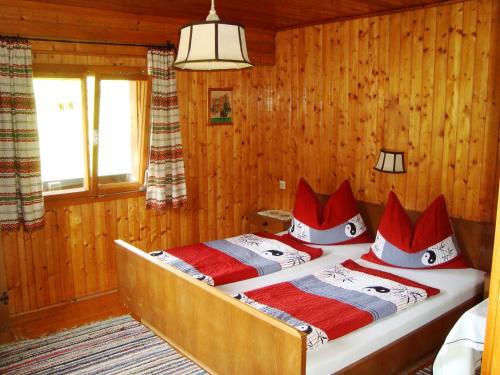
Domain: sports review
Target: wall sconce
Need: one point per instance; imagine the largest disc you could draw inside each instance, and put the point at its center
(390, 162)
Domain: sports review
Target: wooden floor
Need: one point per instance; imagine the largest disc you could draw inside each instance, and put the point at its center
(65, 316)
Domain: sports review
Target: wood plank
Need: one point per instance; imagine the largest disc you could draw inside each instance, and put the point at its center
(402, 121)
(392, 111)
(416, 96)
(54, 260)
(26, 246)
(426, 125)
(354, 138)
(489, 187)
(111, 234)
(371, 148)
(77, 251)
(439, 104)
(4, 308)
(382, 96)
(364, 112)
(11, 266)
(63, 239)
(452, 96)
(101, 250)
(479, 108)
(464, 105)
(89, 249)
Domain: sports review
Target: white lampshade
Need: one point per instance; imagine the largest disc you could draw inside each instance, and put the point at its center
(212, 45)
(390, 162)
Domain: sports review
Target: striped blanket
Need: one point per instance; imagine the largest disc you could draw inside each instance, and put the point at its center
(238, 258)
(337, 300)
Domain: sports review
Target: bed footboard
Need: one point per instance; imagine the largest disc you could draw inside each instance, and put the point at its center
(221, 334)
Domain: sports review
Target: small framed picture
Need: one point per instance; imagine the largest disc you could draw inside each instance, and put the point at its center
(220, 106)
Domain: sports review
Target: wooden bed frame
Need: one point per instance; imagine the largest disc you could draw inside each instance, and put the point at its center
(225, 336)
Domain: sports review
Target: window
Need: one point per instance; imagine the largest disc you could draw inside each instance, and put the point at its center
(60, 112)
(93, 133)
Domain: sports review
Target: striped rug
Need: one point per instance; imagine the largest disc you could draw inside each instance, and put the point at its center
(425, 371)
(115, 346)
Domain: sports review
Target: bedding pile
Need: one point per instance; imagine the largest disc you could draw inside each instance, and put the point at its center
(237, 258)
(337, 300)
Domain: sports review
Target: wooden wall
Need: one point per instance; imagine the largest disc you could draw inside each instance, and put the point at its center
(421, 81)
(32, 19)
(73, 257)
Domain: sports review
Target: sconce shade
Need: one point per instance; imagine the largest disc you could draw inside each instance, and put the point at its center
(212, 45)
(390, 162)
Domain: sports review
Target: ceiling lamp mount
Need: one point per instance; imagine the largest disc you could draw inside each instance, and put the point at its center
(212, 45)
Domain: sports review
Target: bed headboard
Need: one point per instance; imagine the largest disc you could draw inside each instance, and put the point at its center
(475, 238)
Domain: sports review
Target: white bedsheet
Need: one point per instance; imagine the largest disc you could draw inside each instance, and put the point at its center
(456, 286)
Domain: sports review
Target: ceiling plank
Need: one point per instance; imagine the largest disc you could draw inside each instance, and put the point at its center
(264, 14)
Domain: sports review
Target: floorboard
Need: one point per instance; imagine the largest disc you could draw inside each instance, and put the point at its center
(70, 315)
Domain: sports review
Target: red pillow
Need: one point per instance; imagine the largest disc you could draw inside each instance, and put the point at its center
(338, 222)
(430, 244)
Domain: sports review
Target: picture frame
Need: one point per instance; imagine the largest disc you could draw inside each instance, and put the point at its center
(220, 106)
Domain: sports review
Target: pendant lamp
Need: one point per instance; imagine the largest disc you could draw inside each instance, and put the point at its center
(212, 45)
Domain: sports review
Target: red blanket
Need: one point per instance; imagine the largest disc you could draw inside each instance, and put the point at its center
(238, 258)
(337, 300)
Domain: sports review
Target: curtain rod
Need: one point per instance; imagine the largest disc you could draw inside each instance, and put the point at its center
(169, 45)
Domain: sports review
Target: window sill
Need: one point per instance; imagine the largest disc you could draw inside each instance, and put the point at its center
(83, 197)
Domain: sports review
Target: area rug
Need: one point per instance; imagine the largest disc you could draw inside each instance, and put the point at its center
(115, 346)
(425, 371)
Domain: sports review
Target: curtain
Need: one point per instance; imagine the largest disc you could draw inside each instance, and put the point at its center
(166, 184)
(21, 200)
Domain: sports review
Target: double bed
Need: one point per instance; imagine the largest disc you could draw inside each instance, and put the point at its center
(225, 336)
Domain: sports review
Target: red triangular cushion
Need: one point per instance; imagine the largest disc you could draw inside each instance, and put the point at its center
(432, 229)
(307, 206)
(340, 206)
(316, 224)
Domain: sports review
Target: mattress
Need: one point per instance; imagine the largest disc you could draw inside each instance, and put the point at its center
(456, 287)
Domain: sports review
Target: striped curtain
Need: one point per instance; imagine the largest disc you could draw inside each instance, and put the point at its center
(166, 184)
(21, 199)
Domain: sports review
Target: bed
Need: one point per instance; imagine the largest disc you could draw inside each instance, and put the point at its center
(225, 336)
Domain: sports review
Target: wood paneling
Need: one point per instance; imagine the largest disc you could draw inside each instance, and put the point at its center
(337, 94)
(33, 19)
(73, 257)
(265, 14)
(417, 81)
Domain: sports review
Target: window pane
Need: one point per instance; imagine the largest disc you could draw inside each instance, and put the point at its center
(118, 130)
(60, 127)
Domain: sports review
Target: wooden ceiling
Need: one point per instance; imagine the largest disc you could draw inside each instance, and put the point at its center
(263, 14)
(154, 22)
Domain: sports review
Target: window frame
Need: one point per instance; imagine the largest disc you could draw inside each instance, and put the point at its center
(92, 190)
(118, 187)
